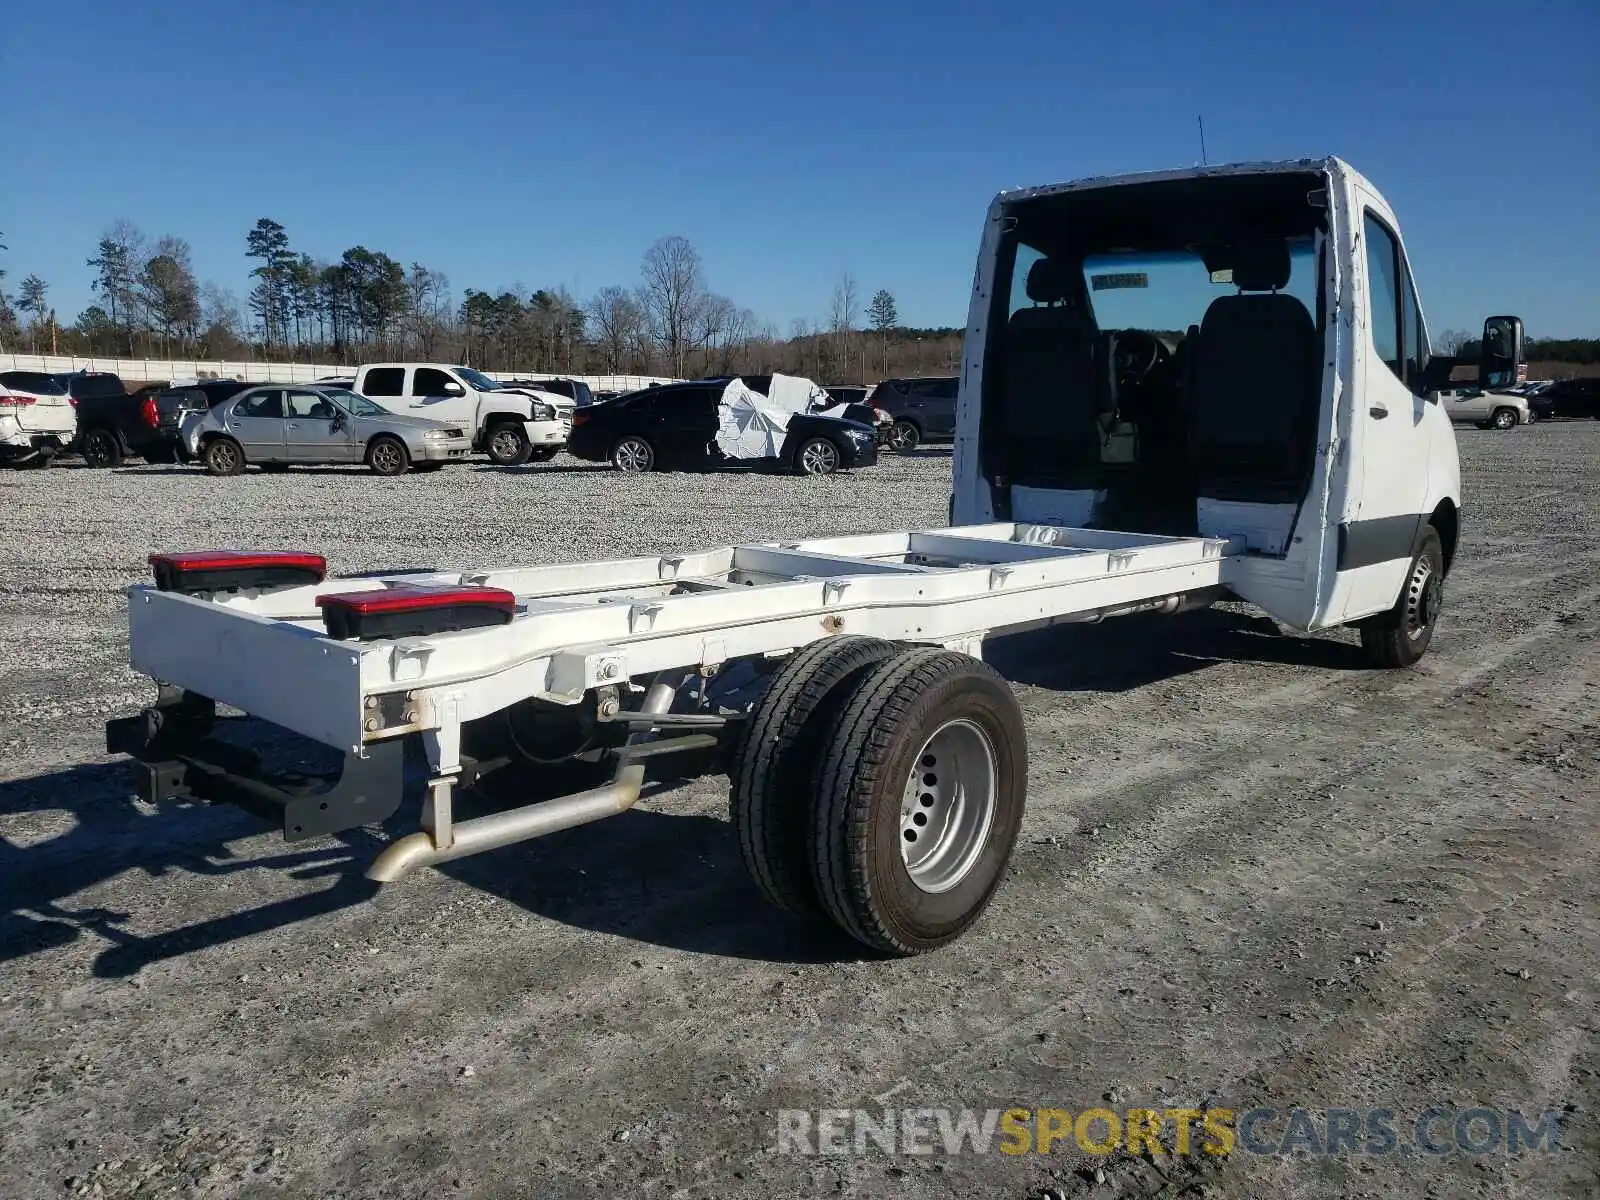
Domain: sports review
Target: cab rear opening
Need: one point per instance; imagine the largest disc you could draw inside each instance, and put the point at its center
(1154, 358)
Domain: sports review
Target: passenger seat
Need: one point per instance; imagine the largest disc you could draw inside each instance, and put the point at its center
(1049, 368)
(1254, 394)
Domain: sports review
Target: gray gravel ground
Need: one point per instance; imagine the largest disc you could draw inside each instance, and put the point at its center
(1251, 873)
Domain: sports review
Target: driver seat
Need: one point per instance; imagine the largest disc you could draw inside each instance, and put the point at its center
(1049, 383)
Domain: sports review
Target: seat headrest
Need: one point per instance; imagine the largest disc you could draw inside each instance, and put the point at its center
(1261, 266)
(1049, 281)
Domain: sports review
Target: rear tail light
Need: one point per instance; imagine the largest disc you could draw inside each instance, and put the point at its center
(233, 570)
(9, 401)
(150, 413)
(414, 610)
(579, 418)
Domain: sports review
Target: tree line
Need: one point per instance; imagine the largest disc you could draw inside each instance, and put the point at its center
(367, 304)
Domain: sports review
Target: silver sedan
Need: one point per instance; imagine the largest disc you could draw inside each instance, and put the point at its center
(276, 425)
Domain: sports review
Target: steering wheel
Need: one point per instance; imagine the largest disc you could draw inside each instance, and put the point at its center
(1135, 354)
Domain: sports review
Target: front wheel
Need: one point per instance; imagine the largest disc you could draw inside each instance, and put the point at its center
(1504, 418)
(904, 437)
(816, 456)
(1400, 637)
(509, 445)
(633, 453)
(388, 456)
(920, 787)
(101, 449)
(224, 456)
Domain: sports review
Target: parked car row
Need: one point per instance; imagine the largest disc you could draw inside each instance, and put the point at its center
(397, 416)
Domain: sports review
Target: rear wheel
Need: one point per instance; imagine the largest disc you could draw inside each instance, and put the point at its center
(1400, 637)
(508, 444)
(1504, 418)
(770, 783)
(224, 456)
(921, 783)
(388, 456)
(633, 453)
(101, 449)
(905, 436)
(816, 456)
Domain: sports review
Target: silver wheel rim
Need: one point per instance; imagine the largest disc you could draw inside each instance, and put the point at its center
(224, 456)
(505, 443)
(1424, 594)
(1503, 420)
(386, 456)
(632, 455)
(948, 806)
(819, 457)
(902, 437)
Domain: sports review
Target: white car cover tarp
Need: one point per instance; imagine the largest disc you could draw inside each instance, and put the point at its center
(752, 425)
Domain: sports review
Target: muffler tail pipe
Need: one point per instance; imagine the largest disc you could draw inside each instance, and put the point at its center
(406, 854)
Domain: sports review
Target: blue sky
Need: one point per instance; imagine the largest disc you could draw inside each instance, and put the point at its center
(506, 142)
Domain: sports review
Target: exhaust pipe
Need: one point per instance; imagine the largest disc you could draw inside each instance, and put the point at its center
(1179, 602)
(419, 849)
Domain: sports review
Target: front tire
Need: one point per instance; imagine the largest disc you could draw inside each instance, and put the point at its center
(1401, 636)
(508, 444)
(388, 456)
(223, 456)
(769, 785)
(633, 453)
(1504, 418)
(816, 456)
(101, 449)
(905, 436)
(921, 784)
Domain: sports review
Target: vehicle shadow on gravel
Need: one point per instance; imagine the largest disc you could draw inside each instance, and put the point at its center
(110, 834)
(1130, 652)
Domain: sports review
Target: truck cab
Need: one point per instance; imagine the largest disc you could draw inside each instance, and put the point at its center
(511, 426)
(1236, 352)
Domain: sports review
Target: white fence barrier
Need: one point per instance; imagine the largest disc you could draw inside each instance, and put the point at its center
(150, 370)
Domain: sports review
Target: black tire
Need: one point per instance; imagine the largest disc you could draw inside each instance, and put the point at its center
(1401, 636)
(860, 819)
(101, 449)
(633, 453)
(507, 444)
(770, 778)
(388, 456)
(1503, 418)
(817, 456)
(223, 456)
(905, 436)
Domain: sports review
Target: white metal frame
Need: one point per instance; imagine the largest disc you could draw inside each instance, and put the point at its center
(589, 625)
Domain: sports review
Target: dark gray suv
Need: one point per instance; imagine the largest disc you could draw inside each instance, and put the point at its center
(923, 408)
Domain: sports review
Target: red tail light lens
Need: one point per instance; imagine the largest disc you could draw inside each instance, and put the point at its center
(232, 570)
(414, 610)
(579, 417)
(151, 414)
(9, 401)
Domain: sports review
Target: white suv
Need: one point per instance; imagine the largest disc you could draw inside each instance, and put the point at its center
(37, 419)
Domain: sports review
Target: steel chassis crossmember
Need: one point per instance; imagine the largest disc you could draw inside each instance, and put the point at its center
(632, 629)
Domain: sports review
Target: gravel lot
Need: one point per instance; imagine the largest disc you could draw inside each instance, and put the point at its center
(1251, 873)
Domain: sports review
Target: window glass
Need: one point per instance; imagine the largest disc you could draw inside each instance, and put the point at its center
(385, 381)
(1383, 293)
(36, 382)
(1416, 338)
(1167, 291)
(261, 404)
(429, 381)
(312, 405)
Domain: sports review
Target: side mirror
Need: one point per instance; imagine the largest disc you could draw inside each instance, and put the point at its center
(452, 388)
(1500, 354)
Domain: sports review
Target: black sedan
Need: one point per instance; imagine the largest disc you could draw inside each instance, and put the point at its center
(1567, 399)
(706, 426)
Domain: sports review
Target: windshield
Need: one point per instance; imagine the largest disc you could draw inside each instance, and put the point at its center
(479, 381)
(355, 404)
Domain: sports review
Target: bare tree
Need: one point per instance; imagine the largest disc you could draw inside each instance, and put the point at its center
(1449, 342)
(843, 316)
(617, 324)
(673, 288)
